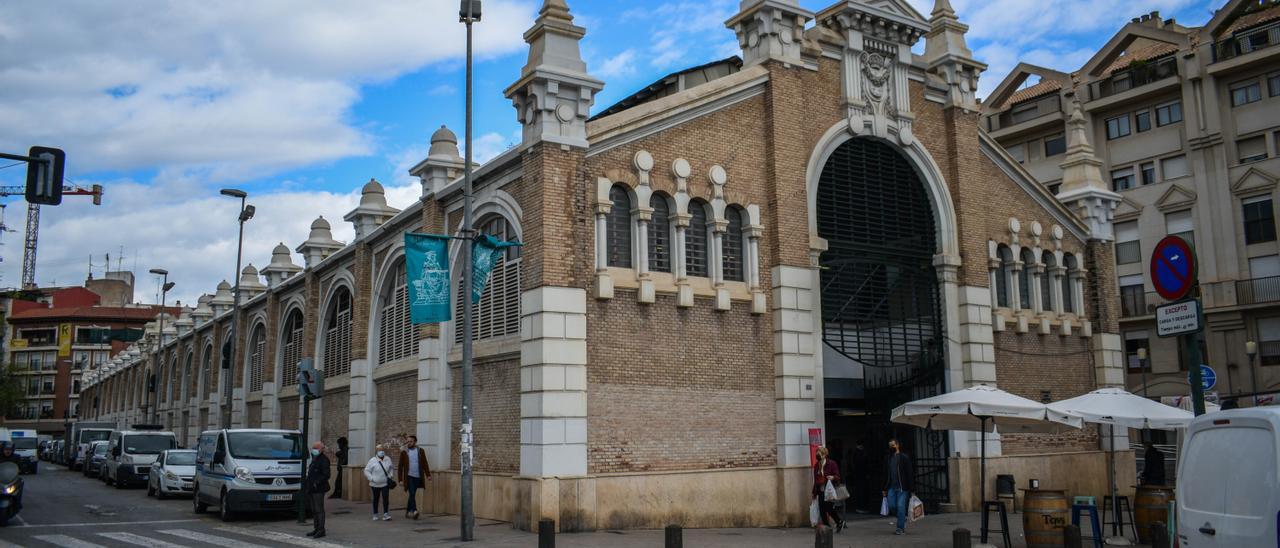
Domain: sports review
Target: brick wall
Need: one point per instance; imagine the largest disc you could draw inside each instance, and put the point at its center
(396, 406)
(496, 421)
(253, 415)
(289, 413)
(333, 417)
(1027, 364)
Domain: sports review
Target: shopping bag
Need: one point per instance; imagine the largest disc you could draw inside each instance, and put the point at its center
(917, 508)
(842, 493)
(884, 506)
(815, 515)
(829, 493)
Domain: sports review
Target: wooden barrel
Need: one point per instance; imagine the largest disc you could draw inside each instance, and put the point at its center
(1045, 513)
(1151, 506)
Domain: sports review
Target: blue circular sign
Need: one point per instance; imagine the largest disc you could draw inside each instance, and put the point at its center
(1208, 377)
(1173, 268)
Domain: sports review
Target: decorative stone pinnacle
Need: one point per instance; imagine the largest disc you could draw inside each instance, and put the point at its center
(555, 9)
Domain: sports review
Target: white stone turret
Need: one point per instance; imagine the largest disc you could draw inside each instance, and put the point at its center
(203, 312)
(223, 300)
(1083, 188)
(185, 322)
(443, 164)
(250, 283)
(319, 244)
(281, 267)
(554, 94)
(949, 56)
(770, 29)
(372, 211)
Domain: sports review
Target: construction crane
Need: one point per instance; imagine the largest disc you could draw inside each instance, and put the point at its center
(33, 225)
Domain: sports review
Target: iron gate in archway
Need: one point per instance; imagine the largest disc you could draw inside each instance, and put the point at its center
(881, 308)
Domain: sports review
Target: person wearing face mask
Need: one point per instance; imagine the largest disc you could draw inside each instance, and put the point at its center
(411, 470)
(317, 486)
(380, 471)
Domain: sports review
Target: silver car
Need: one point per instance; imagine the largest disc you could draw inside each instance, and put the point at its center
(97, 456)
(172, 473)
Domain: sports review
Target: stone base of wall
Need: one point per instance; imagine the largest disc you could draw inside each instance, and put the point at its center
(1079, 473)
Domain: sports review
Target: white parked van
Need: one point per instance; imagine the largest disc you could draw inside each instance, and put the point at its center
(248, 470)
(130, 454)
(1228, 495)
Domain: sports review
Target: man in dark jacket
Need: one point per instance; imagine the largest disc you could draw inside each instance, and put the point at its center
(412, 470)
(341, 455)
(317, 486)
(1153, 466)
(898, 484)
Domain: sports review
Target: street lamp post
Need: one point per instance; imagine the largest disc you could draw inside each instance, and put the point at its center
(1251, 348)
(246, 213)
(468, 15)
(155, 357)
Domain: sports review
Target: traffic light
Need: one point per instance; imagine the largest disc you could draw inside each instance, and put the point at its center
(310, 379)
(44, 178)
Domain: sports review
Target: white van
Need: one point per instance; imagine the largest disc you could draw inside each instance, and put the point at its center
(130, 454)
(1228, 495)
(242, 470)
(25, 445)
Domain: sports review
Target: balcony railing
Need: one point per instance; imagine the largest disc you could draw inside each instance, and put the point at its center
(1247, 42)
(1258, 290)
(1140, 73)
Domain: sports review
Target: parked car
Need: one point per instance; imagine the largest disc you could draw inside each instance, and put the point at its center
(130, 454)
(172, 474)
(1228, 461)
(97, 456)
(57, 452)
(248, 470)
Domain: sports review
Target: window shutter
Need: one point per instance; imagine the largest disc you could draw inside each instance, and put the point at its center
(695, 241)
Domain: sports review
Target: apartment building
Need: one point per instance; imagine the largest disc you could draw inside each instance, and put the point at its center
(1187, 123)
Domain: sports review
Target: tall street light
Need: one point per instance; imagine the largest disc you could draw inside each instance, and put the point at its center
(468, 15)
(155, 357)
(1251, 348)
(229, 351)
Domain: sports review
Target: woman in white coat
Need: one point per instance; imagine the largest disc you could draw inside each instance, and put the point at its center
(379, 472)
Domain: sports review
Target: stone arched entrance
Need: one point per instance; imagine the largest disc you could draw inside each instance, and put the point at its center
(882, 311)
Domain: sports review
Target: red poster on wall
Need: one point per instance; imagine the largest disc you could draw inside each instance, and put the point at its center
(815, 441)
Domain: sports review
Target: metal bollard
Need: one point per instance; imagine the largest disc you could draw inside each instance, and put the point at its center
(1071, 536)
(675, 536)
(546, 533)
(824, 538)
(1159, 535)
(960, 538)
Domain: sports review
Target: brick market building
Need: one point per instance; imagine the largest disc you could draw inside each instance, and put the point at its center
(802, 237)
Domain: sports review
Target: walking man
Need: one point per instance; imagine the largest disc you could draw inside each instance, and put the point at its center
(413, 469)
(341, 455)
(317, 486)
(898, 484)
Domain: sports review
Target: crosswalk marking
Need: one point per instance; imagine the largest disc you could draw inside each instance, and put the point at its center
(66, 542)
(211, 539)
(279, 537)
(139, 540)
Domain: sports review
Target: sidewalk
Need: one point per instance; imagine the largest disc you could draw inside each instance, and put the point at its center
(349, 524)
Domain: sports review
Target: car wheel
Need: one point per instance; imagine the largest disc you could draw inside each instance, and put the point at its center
(198, 506)
(224, 508)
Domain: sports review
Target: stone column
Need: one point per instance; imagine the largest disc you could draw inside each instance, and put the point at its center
(753, 232)
(270, 406)
(604, 282)
(553, 382)
(360, 421)
(433, 429)
(719, 227)
(794, 362)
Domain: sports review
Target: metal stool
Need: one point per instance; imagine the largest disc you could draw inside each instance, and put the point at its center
(1092, 509)
(1109, 517)
(1004, 522)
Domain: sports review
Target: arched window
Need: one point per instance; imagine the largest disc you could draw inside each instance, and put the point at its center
(498, 312)
(1003, 276)
(619, 223)
(695, 240)
(732, 245)
(337, 334)
(1024, 279)
(257, 353)
(397, 336)
(206, 373)
(171, 382)
(291, 346)
(1046, 280)
(660, 234)
(187, 376)
(1068, 286)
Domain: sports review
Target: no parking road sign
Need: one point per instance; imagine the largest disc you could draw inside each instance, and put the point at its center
(1173, 268)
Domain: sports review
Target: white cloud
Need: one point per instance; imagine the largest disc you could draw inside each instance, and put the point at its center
(621, 65)
(232, 88)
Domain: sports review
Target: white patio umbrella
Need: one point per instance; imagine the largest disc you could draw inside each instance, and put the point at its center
(984, 408)
(1115, 407)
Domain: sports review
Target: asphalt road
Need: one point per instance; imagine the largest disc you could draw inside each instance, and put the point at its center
(64, 508)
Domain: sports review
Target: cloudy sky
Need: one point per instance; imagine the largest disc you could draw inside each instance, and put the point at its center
(300, 103)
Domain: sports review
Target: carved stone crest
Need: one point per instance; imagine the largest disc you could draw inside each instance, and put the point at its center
(876, 71)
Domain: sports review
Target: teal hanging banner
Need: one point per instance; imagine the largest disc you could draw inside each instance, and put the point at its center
(485, 254)
(427, 265)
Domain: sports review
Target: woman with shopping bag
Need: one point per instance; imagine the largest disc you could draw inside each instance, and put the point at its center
(826, 476)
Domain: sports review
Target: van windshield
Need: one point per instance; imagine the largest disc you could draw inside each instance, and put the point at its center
(265, 445)
(148, 444)
(94, 435)
(24, 443)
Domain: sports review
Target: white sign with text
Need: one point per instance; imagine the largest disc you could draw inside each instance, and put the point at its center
(1178, 318)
